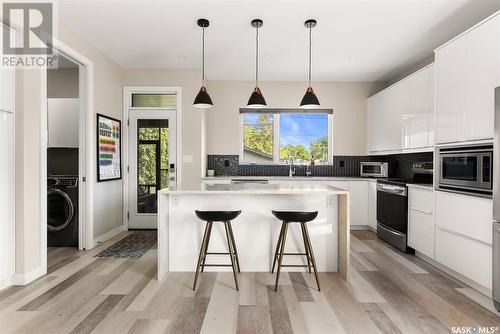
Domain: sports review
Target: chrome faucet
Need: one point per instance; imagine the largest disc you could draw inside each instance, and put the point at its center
(308, 170)
(291, 171)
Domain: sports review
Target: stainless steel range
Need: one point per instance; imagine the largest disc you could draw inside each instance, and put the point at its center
(392, 205)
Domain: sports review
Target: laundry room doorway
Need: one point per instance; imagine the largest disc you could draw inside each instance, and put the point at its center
(67, 157)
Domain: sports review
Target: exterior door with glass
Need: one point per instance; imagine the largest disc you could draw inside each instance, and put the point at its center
(152, 163)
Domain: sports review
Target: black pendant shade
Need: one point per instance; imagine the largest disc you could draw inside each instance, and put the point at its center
(203, 100)
(310, 100)
(256, 100)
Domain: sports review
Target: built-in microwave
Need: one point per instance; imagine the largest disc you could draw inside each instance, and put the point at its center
(466, 169)
(374, 169)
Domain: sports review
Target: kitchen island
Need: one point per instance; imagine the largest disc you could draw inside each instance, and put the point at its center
(256, 230)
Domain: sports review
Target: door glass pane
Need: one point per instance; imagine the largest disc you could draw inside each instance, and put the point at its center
(460, 168)
(154, 101)
(152, 162)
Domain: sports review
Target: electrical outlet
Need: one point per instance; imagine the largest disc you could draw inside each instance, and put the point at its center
(175, 201)
(330, 201)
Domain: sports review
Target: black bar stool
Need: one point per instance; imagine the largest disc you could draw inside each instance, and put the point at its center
(294, 217)
(224, 217)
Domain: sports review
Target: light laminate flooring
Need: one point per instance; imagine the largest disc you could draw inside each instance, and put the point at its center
(389, 292)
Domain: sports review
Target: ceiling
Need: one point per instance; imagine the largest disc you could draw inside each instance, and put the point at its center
(354, 41)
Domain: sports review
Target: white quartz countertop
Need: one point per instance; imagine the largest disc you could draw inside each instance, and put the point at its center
(258, 189)
(294, 178)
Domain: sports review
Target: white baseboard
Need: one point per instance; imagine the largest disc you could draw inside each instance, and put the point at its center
(108, 235)
(454, 274)
(361, 227)
(5, 283)
(23, 279)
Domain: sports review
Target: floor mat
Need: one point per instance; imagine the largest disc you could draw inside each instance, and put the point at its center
(133, 245)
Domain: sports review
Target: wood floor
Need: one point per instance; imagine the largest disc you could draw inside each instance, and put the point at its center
(389, 292)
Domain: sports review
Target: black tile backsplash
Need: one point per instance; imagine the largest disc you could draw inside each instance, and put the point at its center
(342, 165)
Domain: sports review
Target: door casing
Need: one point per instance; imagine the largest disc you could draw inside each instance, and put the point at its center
(127, 106)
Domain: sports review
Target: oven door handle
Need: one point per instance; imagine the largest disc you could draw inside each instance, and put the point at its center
(392, 190)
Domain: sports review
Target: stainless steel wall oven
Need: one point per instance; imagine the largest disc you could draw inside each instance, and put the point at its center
(466, 169)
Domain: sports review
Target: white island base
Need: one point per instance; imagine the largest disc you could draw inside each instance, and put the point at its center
(256, 230)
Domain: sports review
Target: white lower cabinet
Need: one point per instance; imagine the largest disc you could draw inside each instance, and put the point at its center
(372, 204)
(421, 220)
(466, 256)
(463, 235)
(359, 202)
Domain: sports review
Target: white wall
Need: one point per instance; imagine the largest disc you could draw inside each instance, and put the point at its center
(348, 100)
(27, 183)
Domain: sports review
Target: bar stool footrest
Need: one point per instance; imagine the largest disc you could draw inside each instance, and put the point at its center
(215, 265)
(297, 265)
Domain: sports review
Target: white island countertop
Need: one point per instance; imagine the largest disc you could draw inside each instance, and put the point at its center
(257, 189)
(256, 230)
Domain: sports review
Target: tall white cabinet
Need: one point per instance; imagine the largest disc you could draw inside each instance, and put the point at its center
(401, 117)
(467, 71)
(7, 227)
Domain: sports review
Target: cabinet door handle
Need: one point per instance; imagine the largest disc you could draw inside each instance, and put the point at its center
(419, 210)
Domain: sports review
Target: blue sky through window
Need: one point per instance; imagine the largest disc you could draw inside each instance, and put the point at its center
(302, 129)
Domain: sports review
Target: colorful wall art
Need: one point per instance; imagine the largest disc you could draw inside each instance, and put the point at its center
(109, 166)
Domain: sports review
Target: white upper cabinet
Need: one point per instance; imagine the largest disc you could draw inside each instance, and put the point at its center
(397, 116)
(467, 71)
(401, 117)
(6, 83)
(421, 117)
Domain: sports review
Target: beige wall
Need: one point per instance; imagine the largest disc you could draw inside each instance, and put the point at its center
(107, 196)
(62, 83)
(348, 100)
(192, 120)
(108, 101)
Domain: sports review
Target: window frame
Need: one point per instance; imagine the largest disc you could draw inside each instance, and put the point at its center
(276, 139)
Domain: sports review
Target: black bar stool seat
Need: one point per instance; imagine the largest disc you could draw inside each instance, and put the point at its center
(301, 217)
(295, 216)
(224, 217)
(217, 216)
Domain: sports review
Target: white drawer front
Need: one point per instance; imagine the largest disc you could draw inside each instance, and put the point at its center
(466, 215)
(421, 232)
(422, 199)
(468, 257)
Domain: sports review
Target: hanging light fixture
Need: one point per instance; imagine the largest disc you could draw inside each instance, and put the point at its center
(310, 100)
(203, 100)
(256, 100)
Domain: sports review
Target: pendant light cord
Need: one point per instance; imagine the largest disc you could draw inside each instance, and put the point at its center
(203, 58)
(310, 52)
(257, 57)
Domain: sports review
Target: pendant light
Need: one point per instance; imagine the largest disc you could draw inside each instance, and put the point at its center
(203, 100)
(310, 100)
(256, 99)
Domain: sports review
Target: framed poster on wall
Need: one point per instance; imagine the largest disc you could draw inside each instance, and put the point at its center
(109, 159)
